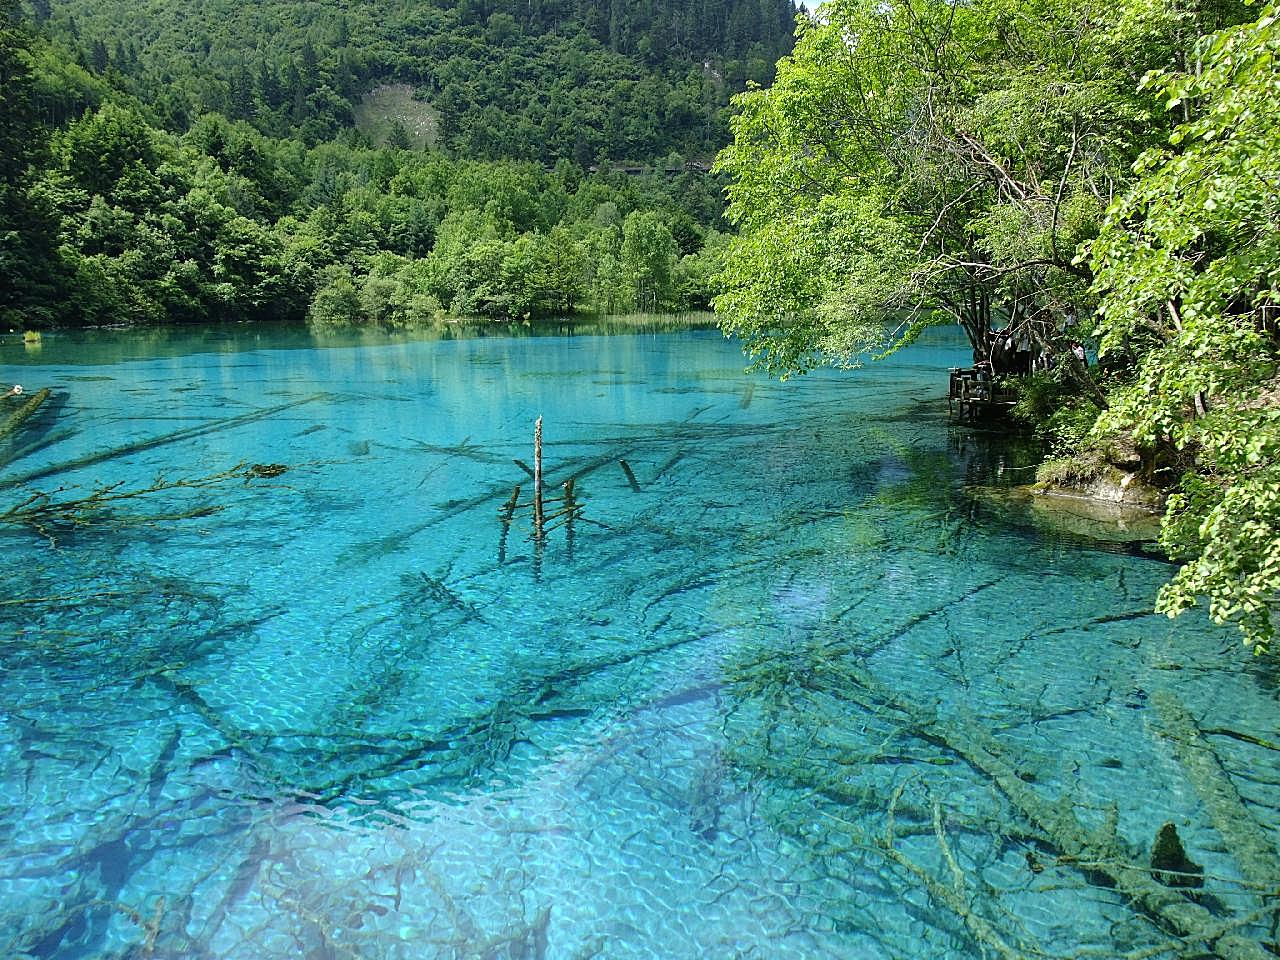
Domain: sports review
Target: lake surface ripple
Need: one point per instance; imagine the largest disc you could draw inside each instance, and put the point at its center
(351, 714)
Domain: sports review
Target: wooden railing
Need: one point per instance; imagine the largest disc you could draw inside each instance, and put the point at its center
(975, 393)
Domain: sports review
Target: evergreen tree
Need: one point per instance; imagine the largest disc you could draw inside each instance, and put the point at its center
(240, 103)
(268, 85)
(398, 138)
(98, 57)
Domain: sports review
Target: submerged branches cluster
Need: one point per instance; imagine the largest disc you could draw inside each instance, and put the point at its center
(48, 514)
(859, 773)
(824, 726)
(110, 506)
(55, 513)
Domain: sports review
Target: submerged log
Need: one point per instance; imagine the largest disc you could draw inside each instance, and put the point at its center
(955, 896)
(177, 436)
(1234, 822)
(508, 511)
(570, 508)
(24, 413)
(671, 462)
(1102, 848)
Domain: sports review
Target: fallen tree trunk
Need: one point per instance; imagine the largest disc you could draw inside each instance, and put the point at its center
(1243, 836)
(24, 413)
(177, 436)
(1101, 848)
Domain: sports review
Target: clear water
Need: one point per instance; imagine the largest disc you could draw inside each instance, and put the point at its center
(343, 717)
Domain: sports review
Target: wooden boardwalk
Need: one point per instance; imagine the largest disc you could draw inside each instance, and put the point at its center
(975, 395)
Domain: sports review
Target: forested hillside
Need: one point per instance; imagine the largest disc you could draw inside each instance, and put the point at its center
(174, 163)
(551, 79)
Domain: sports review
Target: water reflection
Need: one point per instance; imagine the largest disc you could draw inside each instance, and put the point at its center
(134, 343)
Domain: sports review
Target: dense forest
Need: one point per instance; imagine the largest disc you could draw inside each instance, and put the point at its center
(540, 81)
(1063, 173)
(179, 164)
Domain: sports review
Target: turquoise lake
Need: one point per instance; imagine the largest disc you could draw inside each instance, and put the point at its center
(344, 711)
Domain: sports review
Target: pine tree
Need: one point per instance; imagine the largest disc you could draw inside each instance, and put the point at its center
(268, 85)
(240, 93)
(398, 138)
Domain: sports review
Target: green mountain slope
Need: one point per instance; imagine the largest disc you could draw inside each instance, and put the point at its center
(540, 80)
(172, 164)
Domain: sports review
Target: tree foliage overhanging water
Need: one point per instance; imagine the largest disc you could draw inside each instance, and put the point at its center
(1056, 173)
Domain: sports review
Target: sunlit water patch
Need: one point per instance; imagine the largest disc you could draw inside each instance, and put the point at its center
(781, 688)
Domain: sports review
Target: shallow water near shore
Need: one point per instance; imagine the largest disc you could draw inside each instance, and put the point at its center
(351, 713)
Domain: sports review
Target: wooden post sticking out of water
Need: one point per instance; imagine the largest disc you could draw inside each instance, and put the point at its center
(537, 479)
(570, 507)
(631, 476)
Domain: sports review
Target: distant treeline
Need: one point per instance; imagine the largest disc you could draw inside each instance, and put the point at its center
(108, 216)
